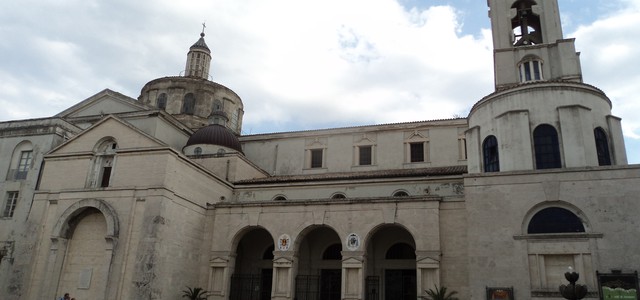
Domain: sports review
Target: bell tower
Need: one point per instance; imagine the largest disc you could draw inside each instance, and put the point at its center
(529, 45)
(198, 59)
(541, 114)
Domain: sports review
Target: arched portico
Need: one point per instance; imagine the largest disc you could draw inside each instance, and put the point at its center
(391, 264)
(253, 267)
(319, 272)
(76, 259)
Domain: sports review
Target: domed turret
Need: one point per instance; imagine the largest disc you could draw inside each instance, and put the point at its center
(212, 139)
(193, 99)
(198, 59)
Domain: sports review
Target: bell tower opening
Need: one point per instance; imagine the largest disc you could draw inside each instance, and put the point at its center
(526, 24)
(528, 43)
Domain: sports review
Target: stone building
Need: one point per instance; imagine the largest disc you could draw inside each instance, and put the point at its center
(122, 198)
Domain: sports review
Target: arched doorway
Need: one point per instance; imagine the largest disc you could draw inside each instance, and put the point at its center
(319, 265)
(391, 265)
(84, 269)
(253, 270)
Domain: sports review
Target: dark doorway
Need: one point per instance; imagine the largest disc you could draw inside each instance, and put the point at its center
(400, 285)
(330, 281)
(324, 287)
(265, 282)
(373, 288)
(252, 287)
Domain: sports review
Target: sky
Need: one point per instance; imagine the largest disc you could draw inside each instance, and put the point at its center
(298, 64)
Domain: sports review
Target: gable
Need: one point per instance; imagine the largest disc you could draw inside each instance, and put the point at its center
(125, 135)
(103, 103)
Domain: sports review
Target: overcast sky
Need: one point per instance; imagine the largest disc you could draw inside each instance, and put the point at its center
(298, 64)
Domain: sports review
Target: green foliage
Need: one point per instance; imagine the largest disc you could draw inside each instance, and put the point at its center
(194, 294)
(439, 294)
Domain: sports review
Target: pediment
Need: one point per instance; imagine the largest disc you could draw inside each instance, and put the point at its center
(103, 103)
(352, 260)
(125, 135)
(218, 260)
(428, 261)
(283, 260)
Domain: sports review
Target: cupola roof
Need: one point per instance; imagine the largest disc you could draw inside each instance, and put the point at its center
(215, 135)
(200, 44)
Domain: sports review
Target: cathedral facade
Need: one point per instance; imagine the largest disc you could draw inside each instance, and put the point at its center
(122, 198)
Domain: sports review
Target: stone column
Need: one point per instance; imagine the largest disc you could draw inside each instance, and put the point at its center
(54, 265)
(617, 141)
(284, 273)
(353, 271)
(513, 130)
(576, 134)
(428, 270)
(111, 243)
(222, 267)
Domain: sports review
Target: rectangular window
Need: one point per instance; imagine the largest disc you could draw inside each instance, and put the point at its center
(316, 158)
(417, 152)
(527, 71)
(10, 204)
(106, 176)
(365, 155)
(462, 148)
(24, 165)
(536, 70)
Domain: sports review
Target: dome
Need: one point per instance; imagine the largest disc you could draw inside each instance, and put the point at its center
(215, 135)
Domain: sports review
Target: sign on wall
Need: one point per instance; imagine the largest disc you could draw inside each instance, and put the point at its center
(617, 285)
(499, 293)
(353, 241)
(284, 242)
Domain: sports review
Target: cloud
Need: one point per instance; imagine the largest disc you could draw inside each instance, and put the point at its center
(308, 64)
(296, 64)
(358, 62)
(610, 61)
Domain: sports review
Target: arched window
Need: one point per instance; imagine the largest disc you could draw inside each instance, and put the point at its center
(21, 161)
(490, 154)
(526, 24)
(162, 101)
(400, 251)
(400, 194)
(189, 103)
(280, 198)
(197, 151)
(217, 105)
(547, 148)
(530, 69)
(103, 163)
(333, 252)
(555, 220)
(338, 196)
(602, 147)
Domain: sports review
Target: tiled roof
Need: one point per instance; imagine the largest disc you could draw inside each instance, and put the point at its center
(397, 173)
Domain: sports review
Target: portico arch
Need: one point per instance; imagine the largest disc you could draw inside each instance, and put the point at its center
(83, 218)
(391, 264)
(253, 267)
(62, 227)
(319, 264)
